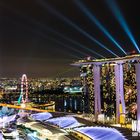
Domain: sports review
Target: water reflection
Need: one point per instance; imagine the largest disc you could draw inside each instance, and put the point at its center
(69, 103)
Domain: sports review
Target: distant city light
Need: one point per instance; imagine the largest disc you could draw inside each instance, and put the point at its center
(23, 105)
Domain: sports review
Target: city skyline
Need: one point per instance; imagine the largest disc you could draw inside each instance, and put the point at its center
(42, 38)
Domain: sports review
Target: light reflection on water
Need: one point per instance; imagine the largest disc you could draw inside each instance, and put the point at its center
(69, 103)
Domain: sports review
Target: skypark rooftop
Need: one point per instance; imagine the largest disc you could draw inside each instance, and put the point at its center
(128, 58)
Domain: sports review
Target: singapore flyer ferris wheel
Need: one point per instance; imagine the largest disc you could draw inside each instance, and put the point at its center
(24, 90)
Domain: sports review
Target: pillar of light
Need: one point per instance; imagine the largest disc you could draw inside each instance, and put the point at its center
(67, 46)
(98, 24)
(74, 42)
(75, 26)
(118, 15)
(61, 35)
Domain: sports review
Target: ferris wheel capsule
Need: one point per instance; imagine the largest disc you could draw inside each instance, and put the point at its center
(24, 88)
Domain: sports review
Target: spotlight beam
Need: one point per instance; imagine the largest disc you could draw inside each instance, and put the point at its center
(67, 46)
(74, 42)
(68, 21)
(64, 45)
(98, 24)
(51, 39)
(53, 31)
(69, 40)
(118, 15)
(45, 36)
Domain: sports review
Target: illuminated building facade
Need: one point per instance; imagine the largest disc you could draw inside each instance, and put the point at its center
(108, 90)
(118, 79)
(86, 74)
(130, 89)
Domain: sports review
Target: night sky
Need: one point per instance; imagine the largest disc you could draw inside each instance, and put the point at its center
(43, 37)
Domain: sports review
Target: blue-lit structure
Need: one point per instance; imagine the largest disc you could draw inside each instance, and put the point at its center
(31, 136)
(74, 89)
(6, 111)
(6, 115)
(64, 122)
(41, 116)
(101, 133)
(6, 119)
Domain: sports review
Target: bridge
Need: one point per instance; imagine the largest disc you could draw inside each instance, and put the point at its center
(27, 108)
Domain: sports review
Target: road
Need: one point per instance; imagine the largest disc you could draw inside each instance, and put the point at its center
(25, 108)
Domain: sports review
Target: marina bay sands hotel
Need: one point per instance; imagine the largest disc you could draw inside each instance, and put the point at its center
(111, 86)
